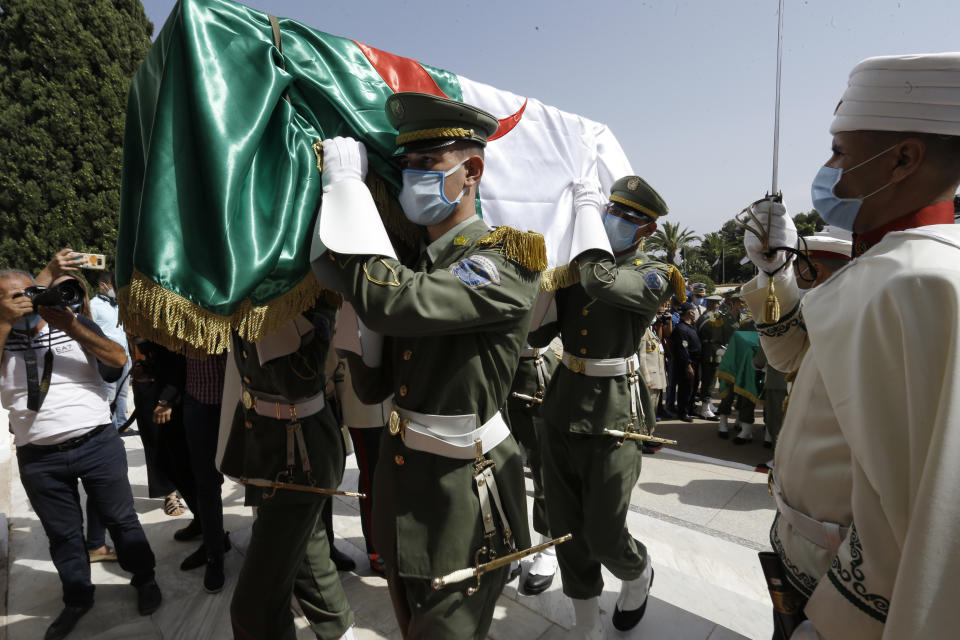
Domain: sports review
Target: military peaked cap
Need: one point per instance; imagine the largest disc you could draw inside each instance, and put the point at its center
(426, 122)
(634, 192)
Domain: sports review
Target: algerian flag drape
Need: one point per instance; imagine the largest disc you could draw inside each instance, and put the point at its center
(221, 186)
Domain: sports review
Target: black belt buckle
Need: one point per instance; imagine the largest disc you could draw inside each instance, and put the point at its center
(73, 443)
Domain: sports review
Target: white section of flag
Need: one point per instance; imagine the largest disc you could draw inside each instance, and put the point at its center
(530, 173)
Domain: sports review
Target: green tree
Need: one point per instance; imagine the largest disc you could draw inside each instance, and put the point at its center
(713, 249)
(808, 223)
(65, 69)
(670, 240)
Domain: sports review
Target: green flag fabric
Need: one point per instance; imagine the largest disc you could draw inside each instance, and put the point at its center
(736, 371)
(221, 184)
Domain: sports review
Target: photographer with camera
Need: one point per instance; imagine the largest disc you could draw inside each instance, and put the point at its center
(53, 382)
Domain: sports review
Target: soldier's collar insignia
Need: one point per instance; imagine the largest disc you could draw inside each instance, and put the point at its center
(638, 262)
(460, 240)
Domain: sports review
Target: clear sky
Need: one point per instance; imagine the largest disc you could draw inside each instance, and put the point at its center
(687, 86)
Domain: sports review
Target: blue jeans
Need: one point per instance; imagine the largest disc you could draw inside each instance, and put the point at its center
(120, 413)
(49, 475)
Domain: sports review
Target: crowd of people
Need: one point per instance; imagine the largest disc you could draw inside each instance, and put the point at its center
(453, 382)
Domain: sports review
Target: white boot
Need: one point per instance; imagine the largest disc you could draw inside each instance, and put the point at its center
(588, 625)
(540, 576)
(705, 412)
(632, 603)
(723, 430)
(746, 433)
(712, 408)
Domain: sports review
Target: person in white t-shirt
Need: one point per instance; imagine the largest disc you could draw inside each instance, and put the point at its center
(53, 370)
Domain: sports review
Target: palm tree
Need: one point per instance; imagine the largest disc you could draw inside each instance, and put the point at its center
(670, 239)
(712, 250)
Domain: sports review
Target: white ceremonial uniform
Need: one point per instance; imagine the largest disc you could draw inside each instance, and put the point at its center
(871, 439)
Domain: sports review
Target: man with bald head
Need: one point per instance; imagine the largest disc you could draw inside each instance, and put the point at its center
(869, 456)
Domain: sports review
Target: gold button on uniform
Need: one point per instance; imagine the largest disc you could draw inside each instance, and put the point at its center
(583, 352)
(246, 379)
(393, 424)
(399, 460)
(583, 332)
(586, 312)
(403, 390)
(407, 354)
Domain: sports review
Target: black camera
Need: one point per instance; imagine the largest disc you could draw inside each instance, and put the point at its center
(66, 294)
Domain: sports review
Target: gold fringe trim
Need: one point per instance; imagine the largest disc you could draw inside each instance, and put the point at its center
(740, 391)
(526, 248)
(152, 312)
(560, 277)
(678, 283)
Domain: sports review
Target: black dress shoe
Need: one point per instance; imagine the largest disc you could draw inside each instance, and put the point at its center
(686, 417)
(199, 557)
(626, 620)
(515, 572)
(148, 597)
(213, 577)
(342, 560)
(535, 584)
(189, 532)
(647, 450)
(65, 622)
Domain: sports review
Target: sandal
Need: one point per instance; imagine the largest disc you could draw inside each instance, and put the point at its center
(172, 506)
(103, 554)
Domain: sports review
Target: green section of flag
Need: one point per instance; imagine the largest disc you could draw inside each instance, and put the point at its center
(220, 186)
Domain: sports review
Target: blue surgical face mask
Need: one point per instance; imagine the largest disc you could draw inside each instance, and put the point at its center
(837, 211)
(26, 323)
(423, 199)
(620, 231)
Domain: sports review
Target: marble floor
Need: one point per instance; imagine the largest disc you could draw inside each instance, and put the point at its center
(702, 520)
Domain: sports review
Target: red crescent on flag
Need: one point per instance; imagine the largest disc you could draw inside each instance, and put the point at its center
(406, 74)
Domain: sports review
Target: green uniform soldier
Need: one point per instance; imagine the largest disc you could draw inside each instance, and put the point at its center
(711, 332)
(523, 412)
(733, 320)
(589, 475)
(283, 432)
(449, 491)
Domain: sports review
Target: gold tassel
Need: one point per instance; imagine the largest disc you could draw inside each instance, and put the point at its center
(525, 248)
(678, 283)
(560, 277)
(771, 306)
(152, 312)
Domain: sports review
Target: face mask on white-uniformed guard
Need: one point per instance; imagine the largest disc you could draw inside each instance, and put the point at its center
(837, 211)
(422, 196)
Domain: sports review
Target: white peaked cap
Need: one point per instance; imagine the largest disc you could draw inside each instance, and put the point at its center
(918, 93)
(830, 240)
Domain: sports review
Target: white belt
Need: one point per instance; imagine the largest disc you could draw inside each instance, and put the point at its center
(448, 436)
(826, 535)
(530, 352)
(280, 408)
(601, 367)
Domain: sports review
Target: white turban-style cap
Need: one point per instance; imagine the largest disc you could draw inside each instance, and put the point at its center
(831, 240)
(917, 93)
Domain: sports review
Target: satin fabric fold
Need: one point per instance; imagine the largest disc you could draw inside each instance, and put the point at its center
(220, 184)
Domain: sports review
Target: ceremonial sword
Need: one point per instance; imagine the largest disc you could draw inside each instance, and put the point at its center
(475, 572)
(633, 435)
(267, 484)
(771, 307)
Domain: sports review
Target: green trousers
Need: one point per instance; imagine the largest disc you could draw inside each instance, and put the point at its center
(432, 502)
(526, 426)
(288, 555)
(745, 407)
(773, 411)
(708, 380)
(588, 481)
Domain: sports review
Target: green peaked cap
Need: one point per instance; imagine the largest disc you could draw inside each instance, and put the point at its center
(634, 192)
(426, 122)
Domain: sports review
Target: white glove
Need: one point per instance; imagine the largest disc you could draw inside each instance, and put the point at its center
(587, 197)
(806, 631)
(343, 159)
(783, 233)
